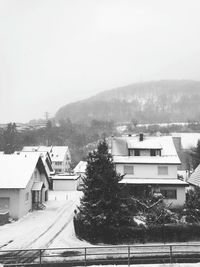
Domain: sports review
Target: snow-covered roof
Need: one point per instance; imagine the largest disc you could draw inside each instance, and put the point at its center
(57, 153)
(44, 156)
(120, 146)
(81, 167)
(195, 177)
(65, 177)
(16, 170)
(153, 181)
(146, 144)
(147, 160)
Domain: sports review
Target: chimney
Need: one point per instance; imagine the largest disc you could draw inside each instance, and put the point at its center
(141, 137)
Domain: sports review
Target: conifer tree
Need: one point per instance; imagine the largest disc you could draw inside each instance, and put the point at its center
(196, 155)
(101, 206)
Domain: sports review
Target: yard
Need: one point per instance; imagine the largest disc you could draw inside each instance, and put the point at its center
(43, 228)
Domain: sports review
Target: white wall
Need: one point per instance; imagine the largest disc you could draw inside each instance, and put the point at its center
(65, 185)
(148, 171)
(13, 195)
(181, 196)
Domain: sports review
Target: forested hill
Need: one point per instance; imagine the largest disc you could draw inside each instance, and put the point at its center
(148, 102)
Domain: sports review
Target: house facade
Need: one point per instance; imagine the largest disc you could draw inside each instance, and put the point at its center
(149, 161)
(63, 182)
(24, 186)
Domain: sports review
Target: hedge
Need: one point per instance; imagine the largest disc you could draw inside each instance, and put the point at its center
(123, 234)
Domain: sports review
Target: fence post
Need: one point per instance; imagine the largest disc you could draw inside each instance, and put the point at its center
(128, 255)
(85, 256)
(40, 252)
(171, 254)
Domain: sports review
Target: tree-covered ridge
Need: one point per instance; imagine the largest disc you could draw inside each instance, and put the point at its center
(148, 102)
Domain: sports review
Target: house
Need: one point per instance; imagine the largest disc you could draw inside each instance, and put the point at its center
(60, 156)
(151, 161)
(45, 156)
(80, 170)
(194, 179)
(185, 143)
(24, 184)
(65, 182)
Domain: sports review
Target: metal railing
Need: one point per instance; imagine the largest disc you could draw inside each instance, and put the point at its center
(85, 256)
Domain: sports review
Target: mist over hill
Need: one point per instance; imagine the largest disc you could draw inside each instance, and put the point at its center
(147, 102)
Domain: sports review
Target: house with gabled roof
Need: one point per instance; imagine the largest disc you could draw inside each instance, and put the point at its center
(24, 183)
(194, 179)
(151, 161)
(60, 156)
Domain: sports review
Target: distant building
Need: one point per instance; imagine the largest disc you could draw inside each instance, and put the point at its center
(150, 161)
(60, 156)
(24, 184)
(80, 170)
(65, 182)
(194, 179)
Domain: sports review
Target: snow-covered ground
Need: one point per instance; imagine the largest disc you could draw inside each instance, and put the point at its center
(42, 228)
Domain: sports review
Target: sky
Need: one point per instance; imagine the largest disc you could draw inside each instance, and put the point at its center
(53, 52)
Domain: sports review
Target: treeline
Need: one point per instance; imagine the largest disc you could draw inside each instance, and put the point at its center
(149, 102)
(80, 137)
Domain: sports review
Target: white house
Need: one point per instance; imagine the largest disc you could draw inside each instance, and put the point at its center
(194, 179)
(65, 182)
(24, 184)
(149, 160)
(45, 158)
(60, 156)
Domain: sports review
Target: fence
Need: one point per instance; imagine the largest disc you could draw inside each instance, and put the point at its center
(86, 256)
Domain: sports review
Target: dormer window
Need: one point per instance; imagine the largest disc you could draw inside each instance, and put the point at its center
(144, 152)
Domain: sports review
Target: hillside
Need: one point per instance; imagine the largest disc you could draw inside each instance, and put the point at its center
(148, 102)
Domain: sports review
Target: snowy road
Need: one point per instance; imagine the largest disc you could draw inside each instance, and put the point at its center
(39, 229)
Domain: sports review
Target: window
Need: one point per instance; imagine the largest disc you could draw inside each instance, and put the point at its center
(162, 170)
(128, 169)
(145, 152)
(58, 163)
(35, 174)
(137, 152)
(169, 193)
(26, 196)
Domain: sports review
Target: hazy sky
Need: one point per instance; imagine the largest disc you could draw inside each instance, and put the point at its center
(53, 52)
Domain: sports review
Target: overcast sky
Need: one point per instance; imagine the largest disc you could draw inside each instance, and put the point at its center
(53, 52)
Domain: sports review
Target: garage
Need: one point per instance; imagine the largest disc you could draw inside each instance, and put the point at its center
(63, 182)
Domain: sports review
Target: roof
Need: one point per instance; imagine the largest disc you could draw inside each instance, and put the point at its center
(37, 186)
(45, 156)
(146, 160)
(195, 177)
(65, 177)
(16, 170)
(153, 181)
(120, 147)
(81, 167)
(146, 144)
(57, 153)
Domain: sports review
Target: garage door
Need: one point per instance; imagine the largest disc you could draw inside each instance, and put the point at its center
(4, 203)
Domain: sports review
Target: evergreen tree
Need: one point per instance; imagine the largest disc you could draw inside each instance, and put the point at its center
(195, 154)
(10, 139)
(101, 206)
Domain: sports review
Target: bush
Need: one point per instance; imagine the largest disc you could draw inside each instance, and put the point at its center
(123, 234)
